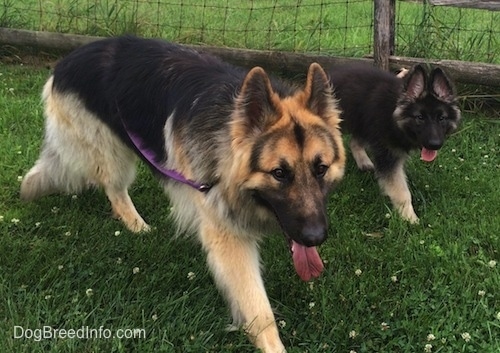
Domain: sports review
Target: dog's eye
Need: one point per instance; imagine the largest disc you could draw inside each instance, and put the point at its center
(321, 170)
(419, 117)
(442, 117)
(279, 174)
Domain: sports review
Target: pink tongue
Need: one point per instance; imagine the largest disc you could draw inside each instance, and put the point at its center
(307, 262)
(428, 155)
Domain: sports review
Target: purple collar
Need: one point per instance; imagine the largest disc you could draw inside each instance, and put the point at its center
(169, 173)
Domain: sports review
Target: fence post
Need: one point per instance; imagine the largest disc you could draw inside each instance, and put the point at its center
(383, 32)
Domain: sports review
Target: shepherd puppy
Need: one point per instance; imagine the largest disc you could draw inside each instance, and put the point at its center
(391, 116)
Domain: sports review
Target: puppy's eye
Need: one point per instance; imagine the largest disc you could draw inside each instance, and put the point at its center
(279, 174)
(321, 170)
(419, 117)
(442, 117)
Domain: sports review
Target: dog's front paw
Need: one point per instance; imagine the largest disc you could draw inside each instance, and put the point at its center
(408, 214)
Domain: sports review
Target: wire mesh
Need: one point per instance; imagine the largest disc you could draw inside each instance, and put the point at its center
(335, 27)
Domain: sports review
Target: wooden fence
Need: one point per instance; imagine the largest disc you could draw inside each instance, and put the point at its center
(294, 63)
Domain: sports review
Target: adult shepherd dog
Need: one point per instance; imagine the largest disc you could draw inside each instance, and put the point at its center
(248, 154)
(390, 116)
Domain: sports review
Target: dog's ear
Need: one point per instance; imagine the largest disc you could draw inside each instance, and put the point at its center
(257, 100)
(441, 85)
(319, 94)
(415, 82)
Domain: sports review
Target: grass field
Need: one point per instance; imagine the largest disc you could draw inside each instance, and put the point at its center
(387, 287)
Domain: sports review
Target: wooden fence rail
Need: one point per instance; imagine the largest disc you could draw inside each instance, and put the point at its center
(289, 63)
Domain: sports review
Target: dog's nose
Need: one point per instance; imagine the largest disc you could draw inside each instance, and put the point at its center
(313, 235)
(434, 144)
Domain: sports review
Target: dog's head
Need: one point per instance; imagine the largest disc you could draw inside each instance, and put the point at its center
(291, 154)
(427, 110)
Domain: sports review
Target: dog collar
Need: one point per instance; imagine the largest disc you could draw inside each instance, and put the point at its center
(149, 156)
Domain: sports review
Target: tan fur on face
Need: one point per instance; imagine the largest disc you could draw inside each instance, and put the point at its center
(295, 110)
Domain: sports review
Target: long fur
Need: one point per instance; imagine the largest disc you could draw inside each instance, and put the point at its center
(271, 150)
(390, 116)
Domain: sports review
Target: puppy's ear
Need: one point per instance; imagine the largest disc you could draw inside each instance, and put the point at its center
(415, 82)
(441, 86)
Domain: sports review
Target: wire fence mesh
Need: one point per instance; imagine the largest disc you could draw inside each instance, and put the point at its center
(336, 27)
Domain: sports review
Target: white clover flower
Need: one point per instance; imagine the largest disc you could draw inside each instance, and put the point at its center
(282, 323)
(60, 267)
(498, 315)
(358, 272)
(54, 209)
(89, 292)
(466, 336)
(19, 178)
(431, 337)
(384, 326)
(47, 297)
(119, 261)
(38, 224)
(74, 197)
(15, 221)
(353, 334)
(1, 218)
(481, 293)
(117, 233)
(394, 279)
(154, 317)
(135, 270)
(191, 276)
(428, 348)
(492, 263)
(68, 233)
(311, 305)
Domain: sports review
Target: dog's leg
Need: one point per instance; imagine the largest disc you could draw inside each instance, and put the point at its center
(51, 174)
(234, 262)
(115, 171)
(78, 151)
(359, 153)
(40, 181)
(392, 181)
(124, 209)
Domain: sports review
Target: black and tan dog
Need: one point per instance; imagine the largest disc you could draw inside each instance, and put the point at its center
(390, 116)
(245, 154)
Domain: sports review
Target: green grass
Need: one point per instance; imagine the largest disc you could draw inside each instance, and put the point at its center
(435, 278)
(312, 26)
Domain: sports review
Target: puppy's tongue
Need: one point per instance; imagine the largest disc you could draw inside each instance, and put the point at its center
(427, 155)
(306, 260)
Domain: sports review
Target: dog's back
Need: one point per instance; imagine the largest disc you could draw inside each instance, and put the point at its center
(367, 97)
